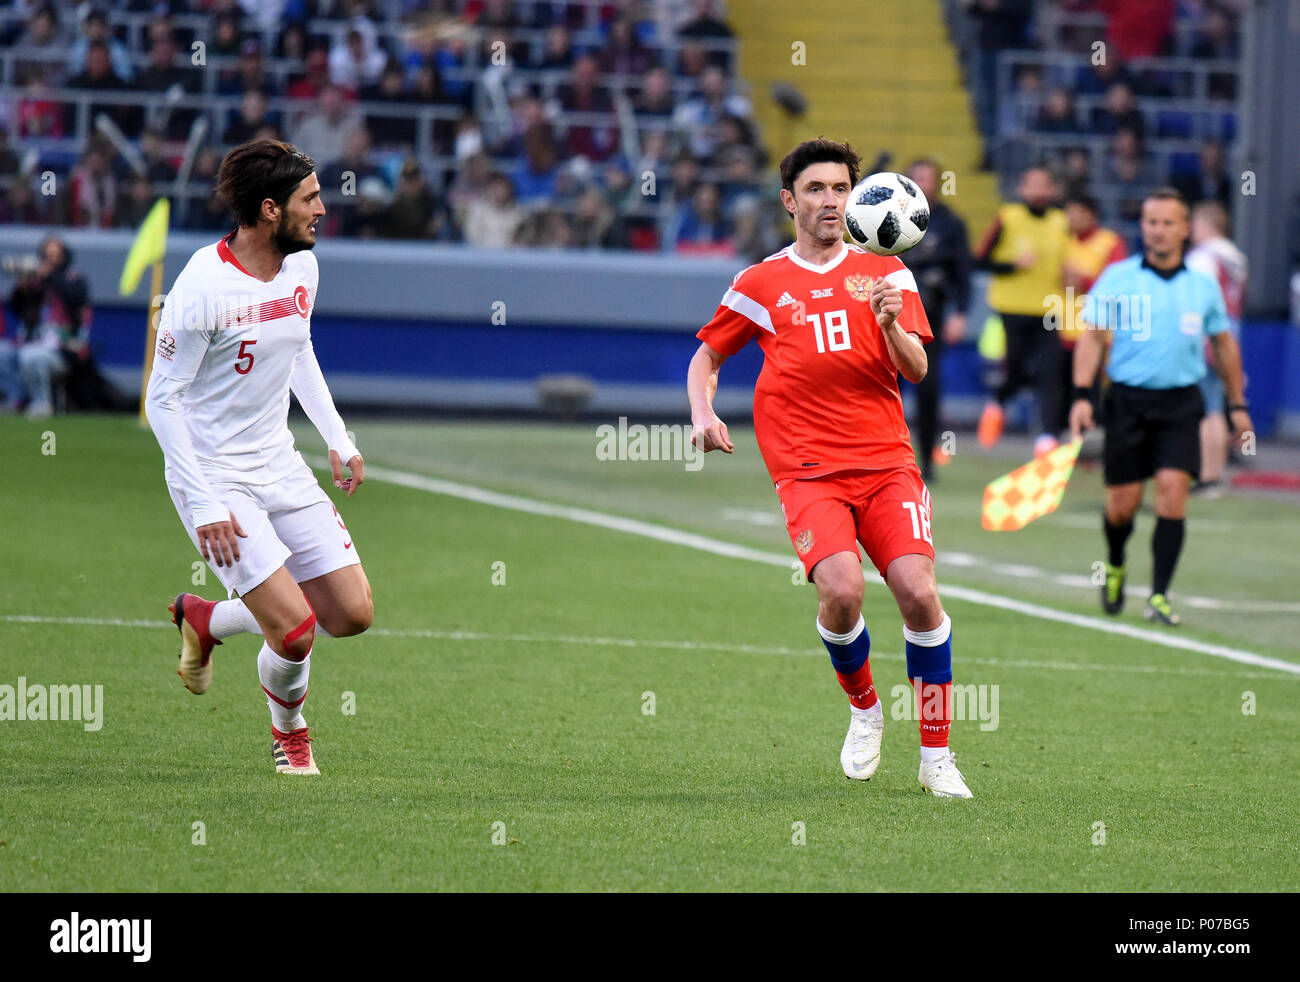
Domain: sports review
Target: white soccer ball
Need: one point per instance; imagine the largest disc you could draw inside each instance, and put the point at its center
(887, 214)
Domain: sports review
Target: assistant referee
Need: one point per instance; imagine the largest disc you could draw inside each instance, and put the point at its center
(1154, 314)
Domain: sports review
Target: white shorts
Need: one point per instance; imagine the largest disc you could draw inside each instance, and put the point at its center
(291, 523)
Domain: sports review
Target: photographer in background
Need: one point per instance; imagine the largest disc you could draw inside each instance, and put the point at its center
(49, 334)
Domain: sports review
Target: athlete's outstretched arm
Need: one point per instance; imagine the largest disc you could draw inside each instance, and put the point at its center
(179, 354)
(308, 384)
(707, 431)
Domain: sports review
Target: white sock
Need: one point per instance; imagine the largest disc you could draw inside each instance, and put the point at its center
(930, 754)
(851, 635)
(285, 685)
(232, 617)
(878, 710)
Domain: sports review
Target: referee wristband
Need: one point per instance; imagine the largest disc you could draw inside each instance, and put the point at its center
(1240, 406)
(1080, 392)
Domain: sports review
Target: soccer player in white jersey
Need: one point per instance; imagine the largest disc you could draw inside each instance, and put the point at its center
(233, 338)
(1215, 255)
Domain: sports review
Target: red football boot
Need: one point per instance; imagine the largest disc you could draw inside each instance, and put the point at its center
(292, 752)
(191, 615)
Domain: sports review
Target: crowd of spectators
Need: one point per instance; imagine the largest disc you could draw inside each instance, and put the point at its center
(569, 124)
(1088, 101)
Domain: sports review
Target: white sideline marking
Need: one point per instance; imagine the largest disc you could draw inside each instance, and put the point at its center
(692, 540)
(1089, 523)
(766, 519)
(1024, 572)
(675, 645)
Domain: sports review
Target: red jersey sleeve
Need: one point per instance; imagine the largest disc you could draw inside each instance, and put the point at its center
(738, 318)
(912, 319)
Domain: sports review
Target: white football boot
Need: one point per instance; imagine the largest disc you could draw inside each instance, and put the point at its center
(942, 779)
(860, 755)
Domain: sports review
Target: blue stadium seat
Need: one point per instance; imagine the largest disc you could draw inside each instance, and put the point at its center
(1172, 123)
(1184, 163)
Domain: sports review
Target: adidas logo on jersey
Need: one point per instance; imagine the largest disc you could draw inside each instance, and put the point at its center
(785, 299)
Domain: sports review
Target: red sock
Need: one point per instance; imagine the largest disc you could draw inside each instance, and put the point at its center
(861, 690)
(936, 713)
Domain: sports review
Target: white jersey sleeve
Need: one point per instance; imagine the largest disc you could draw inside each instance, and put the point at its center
(183, 339)
(308, 384)
(1202, 261)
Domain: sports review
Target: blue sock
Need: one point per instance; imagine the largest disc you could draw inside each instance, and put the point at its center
(848, 651)
(929, 653)
(929, 666)
(849, 654)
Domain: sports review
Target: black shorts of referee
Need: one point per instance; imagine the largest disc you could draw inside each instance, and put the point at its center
(1151, 429)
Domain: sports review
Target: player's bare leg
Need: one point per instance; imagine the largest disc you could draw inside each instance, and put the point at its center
(927, 632)
(284, 665)
(911, 581)
(342, 601)
(1122, 502)
(1214, 448)
(838, 579)
(1167, 541)
(1171, 492)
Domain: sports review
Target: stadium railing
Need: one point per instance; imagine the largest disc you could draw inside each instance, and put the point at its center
(63, 152)
(667, 47)
(1197, 118)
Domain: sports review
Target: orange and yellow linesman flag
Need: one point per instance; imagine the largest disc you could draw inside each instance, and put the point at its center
(1014, 500)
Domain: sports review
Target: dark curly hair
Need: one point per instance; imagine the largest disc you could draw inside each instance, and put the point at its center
(818, 151)
(261, 169)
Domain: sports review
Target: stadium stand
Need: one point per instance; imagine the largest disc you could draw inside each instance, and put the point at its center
(1113, 97)
(635, 100)
(645, 126)
(561, 98)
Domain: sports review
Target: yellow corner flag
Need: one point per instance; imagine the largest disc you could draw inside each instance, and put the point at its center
(1014, 500)
(147, 250)
(149, 247)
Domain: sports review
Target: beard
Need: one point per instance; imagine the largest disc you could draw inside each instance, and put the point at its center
(821, 234)
(286, 242)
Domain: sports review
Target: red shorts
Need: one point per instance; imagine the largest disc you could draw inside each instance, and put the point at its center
(887, 511)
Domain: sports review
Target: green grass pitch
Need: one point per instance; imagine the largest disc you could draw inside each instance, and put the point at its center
(516, 712)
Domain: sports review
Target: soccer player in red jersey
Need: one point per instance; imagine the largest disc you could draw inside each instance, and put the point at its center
(837, 324)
